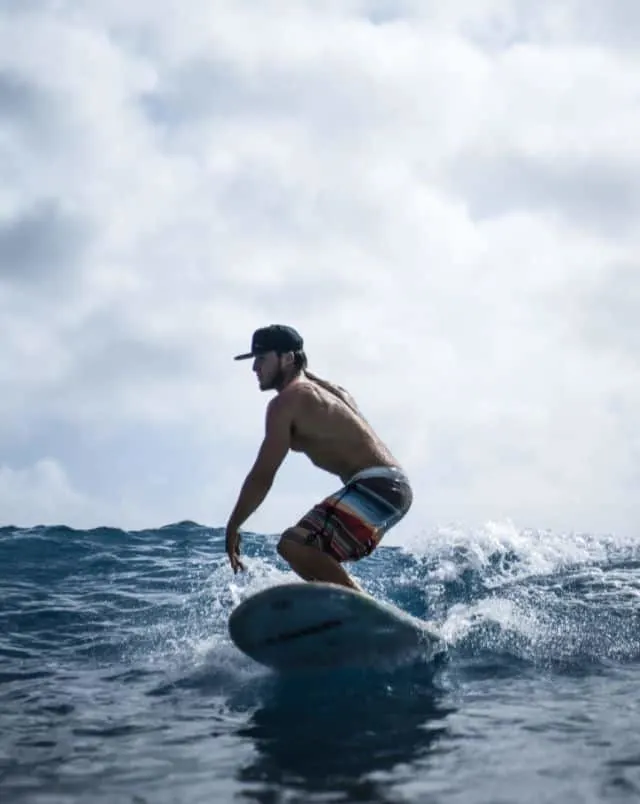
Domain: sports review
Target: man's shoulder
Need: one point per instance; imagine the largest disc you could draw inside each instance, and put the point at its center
(286, 398)
(300, 387)
(293, 398)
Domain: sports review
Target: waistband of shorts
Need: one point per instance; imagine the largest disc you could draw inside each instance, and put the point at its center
(394, 473)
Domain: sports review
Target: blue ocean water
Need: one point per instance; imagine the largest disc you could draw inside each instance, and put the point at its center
(118, 682)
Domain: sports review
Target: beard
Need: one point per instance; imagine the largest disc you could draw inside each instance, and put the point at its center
(275, 382)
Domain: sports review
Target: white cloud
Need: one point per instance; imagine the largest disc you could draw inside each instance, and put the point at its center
(41, 494)
(439, 197)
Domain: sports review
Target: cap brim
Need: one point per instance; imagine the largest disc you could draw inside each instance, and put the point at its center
(244, 357)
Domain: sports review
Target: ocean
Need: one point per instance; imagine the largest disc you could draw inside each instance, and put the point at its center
(119, 684)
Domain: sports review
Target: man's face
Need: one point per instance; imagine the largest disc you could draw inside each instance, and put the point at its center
(268, 369)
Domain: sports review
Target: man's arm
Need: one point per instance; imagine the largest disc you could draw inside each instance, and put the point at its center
(273, 450)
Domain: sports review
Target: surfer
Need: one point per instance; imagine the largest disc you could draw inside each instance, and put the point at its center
(321, 420)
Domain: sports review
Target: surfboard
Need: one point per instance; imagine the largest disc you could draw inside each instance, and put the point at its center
(319, 625)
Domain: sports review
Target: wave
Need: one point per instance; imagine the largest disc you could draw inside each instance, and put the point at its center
(500, 596)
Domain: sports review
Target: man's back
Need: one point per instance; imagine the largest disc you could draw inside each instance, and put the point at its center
(330, 430)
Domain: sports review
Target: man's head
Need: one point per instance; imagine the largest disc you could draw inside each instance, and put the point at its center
(278, 354)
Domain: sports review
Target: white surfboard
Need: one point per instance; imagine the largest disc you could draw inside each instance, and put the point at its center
(318, 625)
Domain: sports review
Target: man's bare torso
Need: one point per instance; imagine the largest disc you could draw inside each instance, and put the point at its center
(329, 431)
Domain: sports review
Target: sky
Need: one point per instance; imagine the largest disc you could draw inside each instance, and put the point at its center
(443, 198)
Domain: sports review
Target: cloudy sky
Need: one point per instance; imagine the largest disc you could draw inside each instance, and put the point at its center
(444, 202)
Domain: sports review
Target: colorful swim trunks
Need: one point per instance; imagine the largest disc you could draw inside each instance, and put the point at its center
(349, 524)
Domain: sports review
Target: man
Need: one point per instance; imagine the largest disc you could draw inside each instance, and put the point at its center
(313, 416)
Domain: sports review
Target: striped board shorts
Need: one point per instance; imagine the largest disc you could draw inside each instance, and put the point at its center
(350, 523)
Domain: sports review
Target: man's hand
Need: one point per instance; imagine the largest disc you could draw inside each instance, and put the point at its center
(233, 549)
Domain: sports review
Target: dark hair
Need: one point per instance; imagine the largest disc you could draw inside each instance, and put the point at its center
(300, 360)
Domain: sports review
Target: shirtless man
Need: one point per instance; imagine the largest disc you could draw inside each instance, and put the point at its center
(313, 416)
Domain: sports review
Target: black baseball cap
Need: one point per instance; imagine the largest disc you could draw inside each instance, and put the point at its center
(274, 338)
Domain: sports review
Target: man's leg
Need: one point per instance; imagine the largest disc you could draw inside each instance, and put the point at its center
(311, 564)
